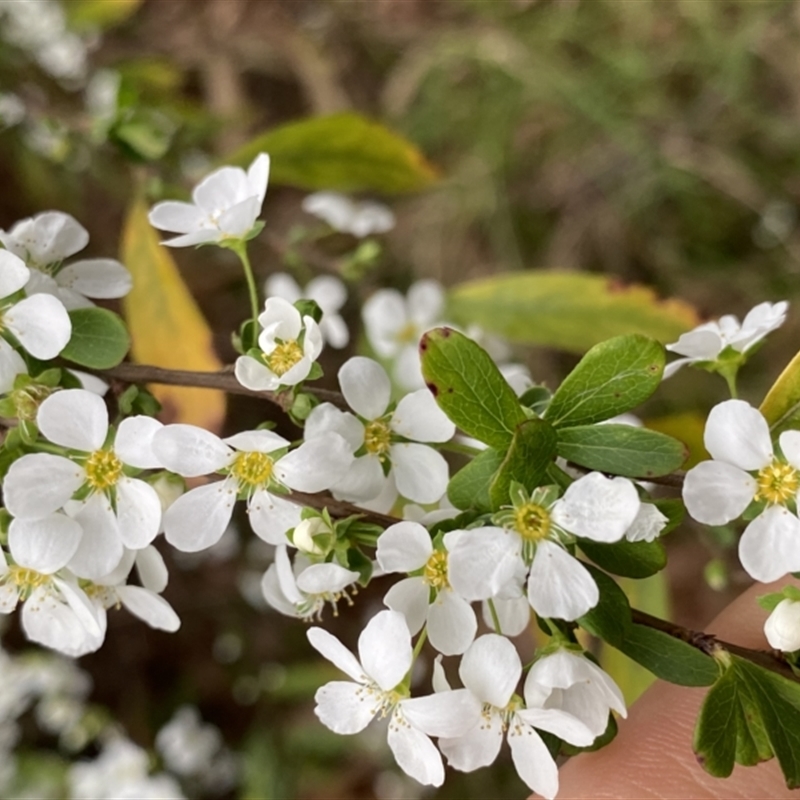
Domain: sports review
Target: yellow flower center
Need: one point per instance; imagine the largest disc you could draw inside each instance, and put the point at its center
(284, 357)
(777, 483)
(435, 572)
(532, 522)
(26, 580)
(408, 334)
(252, 469)
(103, 470)
(377, 438)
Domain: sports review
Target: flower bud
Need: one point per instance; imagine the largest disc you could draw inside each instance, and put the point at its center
(306, 533)
(782, 628)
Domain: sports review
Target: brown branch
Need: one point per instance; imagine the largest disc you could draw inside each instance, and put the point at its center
(709, 644)
(223, 380)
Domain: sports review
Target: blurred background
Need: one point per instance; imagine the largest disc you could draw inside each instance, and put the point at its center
(652, 143)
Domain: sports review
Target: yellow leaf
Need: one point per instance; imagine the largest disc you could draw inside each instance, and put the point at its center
(781, 406)
(167, 329)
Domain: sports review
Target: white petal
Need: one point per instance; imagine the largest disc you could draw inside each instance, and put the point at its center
(513, 614)
(190, 451)
(39, 483)
(366, 386)
(415, 754)
(96, 277)
(782, 627)
(134, 442)
(451, 623)
(335, 331)
(138, 512)
(281, 284)
(477, 748)
(282, 318)
(704, 343)
(236, 221)
(221, 189)
(273, 593)
(257, 441)
(533, 761)
(197, 519)
(738, 434)
(327, 418)
(178, 217)
(384, 649)
(258, 177)
(315, 465)
(325, 578)
(451, 713)
(331, 207)
(328, 292)
(45, 545)
(421, 473)
(716, 492)
(410, 598)
(384, 316)
(90, 614)
(647, 525)
(790, 446)
(255, 376)
(598, 508)
(11, 365)
(404, 547)
(364, 481)
(770, 545)
(418, 417)
(149, 607)
(54, 624)
(344, 707)
(41, 324)
(271, 517)
(74, 418)
(152, 569)
(425, 301)
(332, 649)
(482, 561)
(562, 724)
(9, 597)
(209, 234)
(491, 669)
(408, 368)
(13, 273)
(560, 587)
(100, 550)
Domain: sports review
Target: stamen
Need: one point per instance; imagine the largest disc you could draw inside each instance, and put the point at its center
(532, 522)
(435, 571)
(377, 438)
(284, 357)
(103, 470)
(252, 469)
(777, 483)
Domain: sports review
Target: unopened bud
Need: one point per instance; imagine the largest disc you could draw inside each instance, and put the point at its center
(306, 533)
(782, 628)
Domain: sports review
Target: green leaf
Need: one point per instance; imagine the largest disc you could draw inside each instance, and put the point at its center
(532, 450)
(610, 619)
(569, 310)
(781, 406)
(718, 725)
(469, 487)
(99, 338)
(668, 658)
(347, 152)
(630, 559)
(469, 388)
(621, 450)
(613, 377)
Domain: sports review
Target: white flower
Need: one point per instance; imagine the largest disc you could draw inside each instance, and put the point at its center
(491, 670)
(420, 472)
(187, 744)
(44, 242)
(348, 216)
(39, 323)
(647, 525)
(451, 623)
(304, 590)
(745, 469)
(226, 205)
(120, 772)
(377, 688)
(289, 346)
(116, 510)
(574, 684)
(707, 342)
(55, 613)
(254, 465)
(144, 602)
(394, 324)
(327, 291)
(484, 561)
(782, 627)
